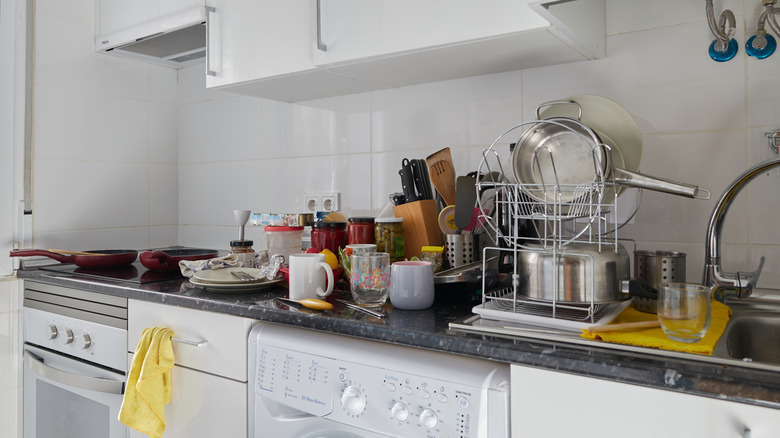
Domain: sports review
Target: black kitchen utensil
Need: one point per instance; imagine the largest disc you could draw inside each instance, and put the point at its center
(407, 181)
(422, 180)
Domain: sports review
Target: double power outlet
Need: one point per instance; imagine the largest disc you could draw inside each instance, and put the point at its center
(314, 202)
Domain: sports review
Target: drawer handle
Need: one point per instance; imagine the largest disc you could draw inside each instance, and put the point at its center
(202, 343)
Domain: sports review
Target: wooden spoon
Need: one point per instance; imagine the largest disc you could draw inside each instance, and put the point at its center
(442, 173)
(626, 326)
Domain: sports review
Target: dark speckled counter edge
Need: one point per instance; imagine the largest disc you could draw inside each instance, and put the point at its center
(429, 329)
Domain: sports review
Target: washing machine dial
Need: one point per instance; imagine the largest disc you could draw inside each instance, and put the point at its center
(429, 419)
(399, 411)
(353, 400)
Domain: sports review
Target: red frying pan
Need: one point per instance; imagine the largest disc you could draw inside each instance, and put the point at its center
(168, 259)
(103, 258)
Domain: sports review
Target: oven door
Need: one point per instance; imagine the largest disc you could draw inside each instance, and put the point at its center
(68, 398)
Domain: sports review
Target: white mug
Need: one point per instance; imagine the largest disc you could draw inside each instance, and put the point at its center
(310, 276)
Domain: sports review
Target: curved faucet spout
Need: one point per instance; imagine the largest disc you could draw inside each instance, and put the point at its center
(739, 284)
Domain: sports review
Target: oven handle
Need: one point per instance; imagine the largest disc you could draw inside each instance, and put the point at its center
(75, 380)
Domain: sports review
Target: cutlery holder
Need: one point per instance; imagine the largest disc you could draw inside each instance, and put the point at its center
(421, 226)
(655, 268)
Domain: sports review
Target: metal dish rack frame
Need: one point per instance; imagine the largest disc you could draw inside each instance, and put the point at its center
(562, 214)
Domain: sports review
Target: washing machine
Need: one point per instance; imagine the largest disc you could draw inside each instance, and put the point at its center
(307, 384)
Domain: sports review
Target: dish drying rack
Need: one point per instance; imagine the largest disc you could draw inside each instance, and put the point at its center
(561, 214)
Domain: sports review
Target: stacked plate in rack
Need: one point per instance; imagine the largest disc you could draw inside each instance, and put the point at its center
(225, 280)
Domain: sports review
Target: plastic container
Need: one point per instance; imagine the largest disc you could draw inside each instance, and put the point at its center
(284, 241)
(330, 235)
(361, 230)
(389, 237)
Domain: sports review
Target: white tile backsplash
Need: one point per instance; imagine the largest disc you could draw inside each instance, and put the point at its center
(183, 157)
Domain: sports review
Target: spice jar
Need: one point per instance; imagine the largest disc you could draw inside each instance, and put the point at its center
(434, 255)
(245, 254)
(389, 237)
(329, 235)
(361, 230)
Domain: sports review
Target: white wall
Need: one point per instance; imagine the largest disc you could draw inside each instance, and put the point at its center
(702, 123)
(105, 160)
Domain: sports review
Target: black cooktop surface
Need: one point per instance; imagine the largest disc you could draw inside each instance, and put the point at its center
(133, 273)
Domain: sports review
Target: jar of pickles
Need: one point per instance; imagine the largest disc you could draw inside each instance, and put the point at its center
(389, 237)
(361, 230)
(434, 255)
(329, 235)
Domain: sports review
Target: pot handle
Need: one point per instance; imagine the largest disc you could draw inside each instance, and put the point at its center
(639, 288)
(559, 102)
(634, 179)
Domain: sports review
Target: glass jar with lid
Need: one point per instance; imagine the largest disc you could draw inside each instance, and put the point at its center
(330, 235)
(244, 252)
(361, 230)
(389, 237)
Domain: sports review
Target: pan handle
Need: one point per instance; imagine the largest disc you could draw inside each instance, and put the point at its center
(559, 102)
(634, 179)
(42, 252)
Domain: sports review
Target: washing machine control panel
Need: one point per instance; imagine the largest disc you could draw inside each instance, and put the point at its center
(376, 398)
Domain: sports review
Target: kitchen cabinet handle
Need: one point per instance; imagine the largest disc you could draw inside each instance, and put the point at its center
(320, 45)
(202, 343)
(209, 10)
(73, 380)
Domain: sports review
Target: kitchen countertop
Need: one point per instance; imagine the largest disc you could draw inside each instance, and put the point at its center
(430, 329)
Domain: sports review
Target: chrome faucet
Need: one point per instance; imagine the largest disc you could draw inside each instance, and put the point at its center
(738, 284)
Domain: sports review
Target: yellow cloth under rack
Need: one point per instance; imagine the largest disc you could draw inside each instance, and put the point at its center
(655, 337)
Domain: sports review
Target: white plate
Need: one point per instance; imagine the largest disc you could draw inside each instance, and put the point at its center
(231, 287)
(225, 276)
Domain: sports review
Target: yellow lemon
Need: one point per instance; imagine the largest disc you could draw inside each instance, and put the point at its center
(330, 258)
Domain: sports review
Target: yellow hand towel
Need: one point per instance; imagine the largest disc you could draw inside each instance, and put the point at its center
(656, 338)
(149, 383)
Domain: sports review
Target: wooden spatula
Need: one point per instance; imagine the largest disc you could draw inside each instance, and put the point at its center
(442, 173)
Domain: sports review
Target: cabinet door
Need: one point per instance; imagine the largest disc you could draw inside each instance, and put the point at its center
(118, 15)
(548, 403)
(203, 406)
(254, 39)
(357, 29)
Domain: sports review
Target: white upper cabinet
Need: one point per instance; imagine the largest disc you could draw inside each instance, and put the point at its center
(306, 49)
(264, 48)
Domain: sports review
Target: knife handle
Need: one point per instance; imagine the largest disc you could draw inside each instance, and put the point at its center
(420, 179)
(407, 181)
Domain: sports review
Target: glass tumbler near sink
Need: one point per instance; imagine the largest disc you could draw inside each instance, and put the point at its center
(684, 311)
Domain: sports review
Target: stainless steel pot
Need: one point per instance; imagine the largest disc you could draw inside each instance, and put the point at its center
(585, 275)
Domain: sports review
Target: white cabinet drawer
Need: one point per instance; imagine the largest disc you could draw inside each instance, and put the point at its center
(203, 406)
(224, 352)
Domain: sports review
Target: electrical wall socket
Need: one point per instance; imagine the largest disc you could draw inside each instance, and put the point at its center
(314, 202)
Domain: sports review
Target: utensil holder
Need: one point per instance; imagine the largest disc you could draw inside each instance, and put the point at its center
(421, 226)
(462, 249)
(655, 268)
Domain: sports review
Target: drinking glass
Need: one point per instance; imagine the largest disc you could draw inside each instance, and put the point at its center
(684, 311)
(370, 278)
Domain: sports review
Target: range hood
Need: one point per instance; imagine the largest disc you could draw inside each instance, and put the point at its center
(175, 41)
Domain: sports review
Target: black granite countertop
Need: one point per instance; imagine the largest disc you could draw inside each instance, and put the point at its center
(430, 329)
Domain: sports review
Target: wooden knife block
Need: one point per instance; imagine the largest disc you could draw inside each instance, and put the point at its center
(421, 226)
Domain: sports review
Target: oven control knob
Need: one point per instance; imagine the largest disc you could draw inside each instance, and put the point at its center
(52, 332)
(399, 411)
(429, 419)
(352, 400)
(85, 341)
(68, 336)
